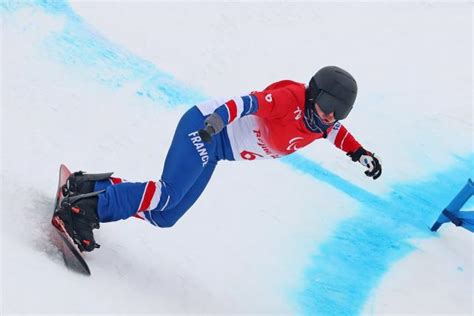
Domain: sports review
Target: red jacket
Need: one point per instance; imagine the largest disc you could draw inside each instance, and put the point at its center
(270, 123)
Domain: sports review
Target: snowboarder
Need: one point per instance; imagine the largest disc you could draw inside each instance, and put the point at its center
(275, 122)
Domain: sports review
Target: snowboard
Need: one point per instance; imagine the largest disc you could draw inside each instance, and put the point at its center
(71, 254)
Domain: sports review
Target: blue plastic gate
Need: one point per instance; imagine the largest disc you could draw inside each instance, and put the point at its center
(452, 213)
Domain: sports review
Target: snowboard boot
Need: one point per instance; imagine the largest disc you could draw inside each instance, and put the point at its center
(78, 216)
(82, 183)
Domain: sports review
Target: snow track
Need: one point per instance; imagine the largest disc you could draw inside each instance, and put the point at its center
(100, 86)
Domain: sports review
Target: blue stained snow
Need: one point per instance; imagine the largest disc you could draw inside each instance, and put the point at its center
(49, 6)
(79, 46)
(351, 263)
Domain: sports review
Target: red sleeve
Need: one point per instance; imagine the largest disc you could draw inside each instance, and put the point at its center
(342, 139)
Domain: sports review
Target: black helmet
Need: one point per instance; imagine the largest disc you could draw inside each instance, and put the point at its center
(334, 90)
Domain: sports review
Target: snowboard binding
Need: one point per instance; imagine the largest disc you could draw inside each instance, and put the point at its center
(76, 215)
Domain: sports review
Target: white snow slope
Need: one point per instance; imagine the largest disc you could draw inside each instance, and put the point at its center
(101, 85)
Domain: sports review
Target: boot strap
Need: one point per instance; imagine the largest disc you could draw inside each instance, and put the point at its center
(73, 199)
(94, 176)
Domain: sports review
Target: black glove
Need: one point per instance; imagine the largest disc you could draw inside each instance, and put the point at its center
(206, 133)
(214, 124)
(368, 160)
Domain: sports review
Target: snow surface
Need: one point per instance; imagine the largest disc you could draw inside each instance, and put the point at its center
(100, 86)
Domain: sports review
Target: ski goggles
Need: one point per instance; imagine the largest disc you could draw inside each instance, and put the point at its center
(328, 103)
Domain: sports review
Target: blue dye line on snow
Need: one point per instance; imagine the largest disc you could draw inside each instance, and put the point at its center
(80, 47)
(345, 268)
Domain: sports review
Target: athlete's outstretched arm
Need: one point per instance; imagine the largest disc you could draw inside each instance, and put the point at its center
(342, 139)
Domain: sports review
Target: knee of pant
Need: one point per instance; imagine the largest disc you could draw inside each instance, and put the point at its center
(166, 224)
(163, 221)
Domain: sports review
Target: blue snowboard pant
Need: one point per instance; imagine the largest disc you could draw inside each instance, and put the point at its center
(188, 168)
